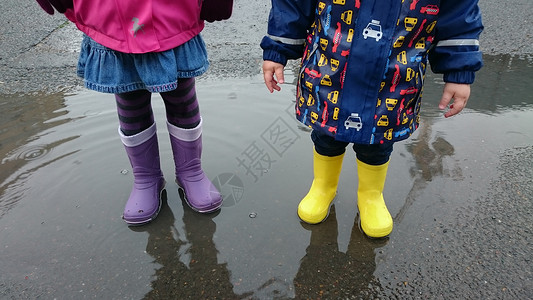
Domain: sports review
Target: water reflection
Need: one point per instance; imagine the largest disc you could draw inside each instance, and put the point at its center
(11, 190)
(429, 154)
(326, 272)
(26, 121)
(60, 168)
(452, 164)
(502, 84)
(189, 267)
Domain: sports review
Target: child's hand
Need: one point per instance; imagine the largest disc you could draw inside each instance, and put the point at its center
(216, 10)
(270, 69)
(60, 5)
(459, 93)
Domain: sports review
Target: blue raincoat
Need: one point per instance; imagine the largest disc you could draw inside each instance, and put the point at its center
(364, 61)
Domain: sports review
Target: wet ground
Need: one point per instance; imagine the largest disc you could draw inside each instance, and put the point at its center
(459, 190)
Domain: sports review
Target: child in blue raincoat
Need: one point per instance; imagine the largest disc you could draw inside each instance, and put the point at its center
(361, 82)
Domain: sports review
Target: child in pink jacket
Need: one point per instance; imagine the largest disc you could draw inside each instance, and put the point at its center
(134, 48)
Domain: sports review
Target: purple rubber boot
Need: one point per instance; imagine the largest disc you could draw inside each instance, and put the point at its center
(144, 202)
(195, 188)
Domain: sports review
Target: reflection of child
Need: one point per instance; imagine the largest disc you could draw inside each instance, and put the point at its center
(133, 49)
(361, 82)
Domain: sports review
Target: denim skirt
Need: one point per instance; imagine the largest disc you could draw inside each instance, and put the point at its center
(108, 71)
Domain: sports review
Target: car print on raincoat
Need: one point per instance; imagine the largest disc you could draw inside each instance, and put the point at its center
(372, 56)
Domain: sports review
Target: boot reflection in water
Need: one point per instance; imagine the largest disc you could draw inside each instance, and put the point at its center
(344, 275)
(186, 257)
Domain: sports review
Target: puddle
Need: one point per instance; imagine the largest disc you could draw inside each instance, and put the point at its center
(63, 186)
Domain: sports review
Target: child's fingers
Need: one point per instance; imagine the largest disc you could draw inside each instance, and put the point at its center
(276, 86)
(459, 93)
(268, 77)
(280, 76)
(270, 82)
(445, 100)
(456, 107)
(272, 85)
(271, 72)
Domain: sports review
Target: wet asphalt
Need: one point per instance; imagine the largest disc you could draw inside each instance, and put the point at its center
(38, 54)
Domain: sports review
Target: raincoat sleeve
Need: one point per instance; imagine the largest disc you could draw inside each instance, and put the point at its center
(456, 51)
(288, 25)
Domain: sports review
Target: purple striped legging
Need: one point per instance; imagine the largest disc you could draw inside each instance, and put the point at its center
(135, 109)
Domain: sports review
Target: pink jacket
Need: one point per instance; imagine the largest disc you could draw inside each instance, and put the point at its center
(138, 26)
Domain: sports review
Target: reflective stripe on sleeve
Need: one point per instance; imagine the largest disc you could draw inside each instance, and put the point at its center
(287, 41)
(466, 42)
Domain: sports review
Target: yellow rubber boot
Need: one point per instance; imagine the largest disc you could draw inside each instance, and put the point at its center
(376, 220)
(314, 207)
